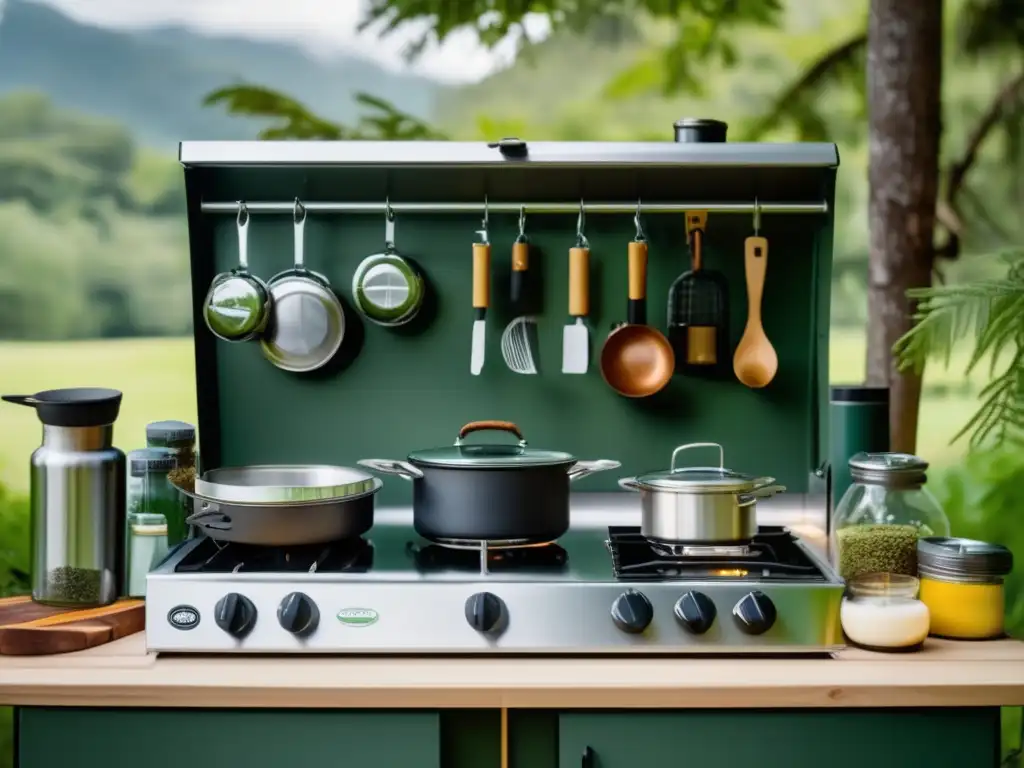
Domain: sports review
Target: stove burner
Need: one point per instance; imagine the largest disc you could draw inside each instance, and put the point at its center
(486, 556)
(669, 549)
(210, 556)
(773, 555)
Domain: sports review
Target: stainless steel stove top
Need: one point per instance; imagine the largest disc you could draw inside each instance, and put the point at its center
(600, 589)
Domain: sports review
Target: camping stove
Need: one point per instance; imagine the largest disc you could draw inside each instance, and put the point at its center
(600, 589)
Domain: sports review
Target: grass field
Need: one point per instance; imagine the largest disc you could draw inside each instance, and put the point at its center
(158, 381)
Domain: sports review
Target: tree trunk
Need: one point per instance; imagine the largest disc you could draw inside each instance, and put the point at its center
(904, 103)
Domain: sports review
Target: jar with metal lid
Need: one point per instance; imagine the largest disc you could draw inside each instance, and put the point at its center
(883, 513)
(962, 585)
(147, 546)
(179, 436)
(882, 612)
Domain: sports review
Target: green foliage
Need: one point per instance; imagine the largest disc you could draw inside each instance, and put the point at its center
(992, 311)
(384, 121)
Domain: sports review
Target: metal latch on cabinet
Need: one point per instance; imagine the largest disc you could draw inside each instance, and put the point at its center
(510, 148)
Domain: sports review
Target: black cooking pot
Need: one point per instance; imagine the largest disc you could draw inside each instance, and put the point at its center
(490, 492)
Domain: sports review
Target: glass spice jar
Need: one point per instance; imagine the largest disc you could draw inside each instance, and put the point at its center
(886, 509)
(180, 437)
(962, 585)
(147, 546)
(149, 490)
(881, 612)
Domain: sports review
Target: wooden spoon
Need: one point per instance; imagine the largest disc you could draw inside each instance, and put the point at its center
(755, 361)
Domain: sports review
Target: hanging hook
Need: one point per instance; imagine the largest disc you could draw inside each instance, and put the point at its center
(243, 214)
(389, 225)
(483, 232)
(298, 212)
(757, 216)
(636, 220)
(522, 225)
(581, 220)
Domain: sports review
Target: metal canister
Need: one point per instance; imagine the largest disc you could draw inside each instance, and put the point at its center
(77, 498)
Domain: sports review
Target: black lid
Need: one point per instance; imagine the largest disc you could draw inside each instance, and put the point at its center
(79, 407)
(699, 130)
(170, 431)
(851, 393)
(143, 461)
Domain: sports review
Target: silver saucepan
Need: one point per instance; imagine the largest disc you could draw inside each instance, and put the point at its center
(699, 505)
(283, 505)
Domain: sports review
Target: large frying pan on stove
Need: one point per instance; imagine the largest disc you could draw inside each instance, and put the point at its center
(283, 505)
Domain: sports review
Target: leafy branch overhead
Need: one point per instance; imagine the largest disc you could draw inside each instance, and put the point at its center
(294, 120)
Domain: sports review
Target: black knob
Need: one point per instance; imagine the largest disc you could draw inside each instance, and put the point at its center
(755, 613)
(298, 614)
(695, 612)
(484, 611)
(632, 612)
(235, 614)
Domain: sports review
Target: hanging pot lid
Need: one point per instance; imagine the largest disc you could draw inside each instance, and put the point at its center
(701, 479)
(490, 455)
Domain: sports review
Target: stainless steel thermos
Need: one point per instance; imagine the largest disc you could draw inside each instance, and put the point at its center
(77, 498)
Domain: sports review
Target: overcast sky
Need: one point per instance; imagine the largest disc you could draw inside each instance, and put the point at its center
(320, 25)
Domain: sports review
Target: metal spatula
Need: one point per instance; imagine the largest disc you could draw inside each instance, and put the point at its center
(481, 297)
(576, 335)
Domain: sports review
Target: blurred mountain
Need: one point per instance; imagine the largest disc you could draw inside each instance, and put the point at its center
(153, 81)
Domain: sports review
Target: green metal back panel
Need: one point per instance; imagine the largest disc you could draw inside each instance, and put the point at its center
(410, 389)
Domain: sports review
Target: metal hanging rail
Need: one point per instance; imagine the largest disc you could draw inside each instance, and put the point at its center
(257, 207)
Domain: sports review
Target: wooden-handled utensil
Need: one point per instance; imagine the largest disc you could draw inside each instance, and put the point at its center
(755, 362)
(575, 336)
(481, 298)
(517, 339)
(636, 360)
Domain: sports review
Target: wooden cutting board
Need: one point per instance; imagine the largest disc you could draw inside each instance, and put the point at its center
(31, 629)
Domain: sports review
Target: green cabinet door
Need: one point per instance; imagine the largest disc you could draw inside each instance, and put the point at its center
(936, 738)
(154, 738)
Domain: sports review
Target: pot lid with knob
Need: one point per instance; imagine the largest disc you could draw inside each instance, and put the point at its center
(694, 479)
(490, 455)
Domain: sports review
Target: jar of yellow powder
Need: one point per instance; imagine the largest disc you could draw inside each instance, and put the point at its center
(962, 585)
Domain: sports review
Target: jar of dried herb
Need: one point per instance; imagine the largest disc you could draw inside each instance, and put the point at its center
(886, 509)
(179, 436)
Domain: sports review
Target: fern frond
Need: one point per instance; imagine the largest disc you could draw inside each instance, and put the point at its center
(992, 311)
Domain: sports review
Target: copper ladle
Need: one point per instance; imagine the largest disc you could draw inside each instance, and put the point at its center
(637, 360)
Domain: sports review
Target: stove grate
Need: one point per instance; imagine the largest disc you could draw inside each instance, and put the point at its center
(773, 555)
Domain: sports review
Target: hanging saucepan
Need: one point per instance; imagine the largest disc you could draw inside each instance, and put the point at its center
(308, 322)
(699, 505)
(238, 304)
(387, 289)
(490, 492)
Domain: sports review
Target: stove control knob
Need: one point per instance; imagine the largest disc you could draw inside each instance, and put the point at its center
(298, 614)
(632, 612)
(235, 614)
(484, 611)
(755, 613)
(695, 612)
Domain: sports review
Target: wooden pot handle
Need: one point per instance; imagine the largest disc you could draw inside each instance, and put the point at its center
(480, 426)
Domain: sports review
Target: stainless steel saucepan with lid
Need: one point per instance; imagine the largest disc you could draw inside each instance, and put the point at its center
(699, 505)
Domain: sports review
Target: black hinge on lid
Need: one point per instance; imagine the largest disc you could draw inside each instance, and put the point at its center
(588, 758)
(510, 147)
